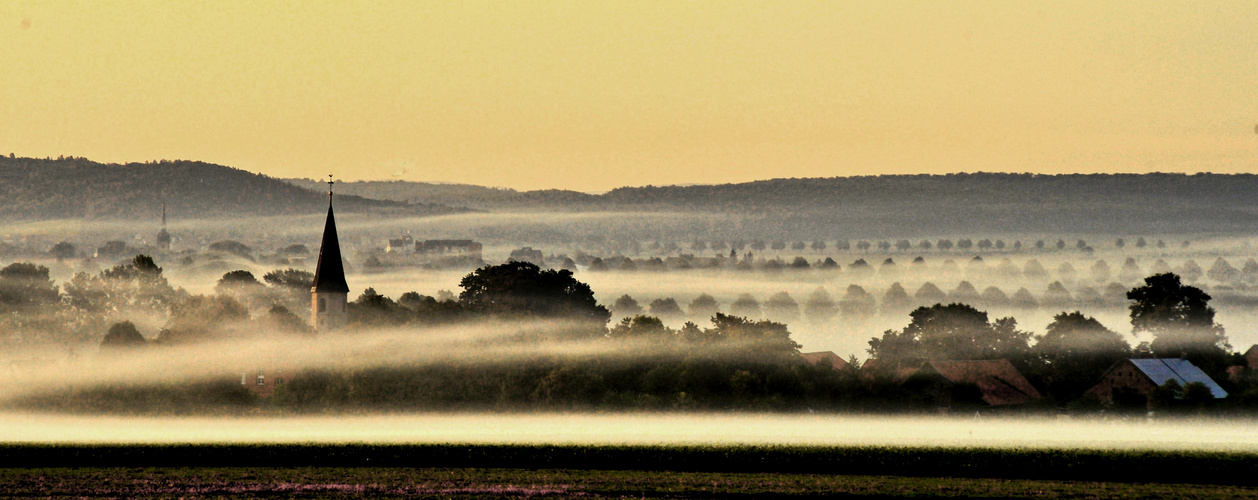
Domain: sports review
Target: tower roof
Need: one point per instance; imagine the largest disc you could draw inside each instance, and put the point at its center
(330, 272)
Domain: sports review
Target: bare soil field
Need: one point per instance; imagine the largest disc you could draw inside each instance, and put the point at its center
(387, 482)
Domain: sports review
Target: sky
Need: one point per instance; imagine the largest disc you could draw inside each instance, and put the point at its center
(594, 95)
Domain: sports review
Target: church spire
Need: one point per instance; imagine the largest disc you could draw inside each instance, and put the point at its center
(329, 271)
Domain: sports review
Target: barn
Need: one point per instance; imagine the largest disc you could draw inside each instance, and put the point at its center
(1143, 376)
(979, 383)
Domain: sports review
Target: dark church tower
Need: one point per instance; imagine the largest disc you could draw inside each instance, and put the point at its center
(330, 293)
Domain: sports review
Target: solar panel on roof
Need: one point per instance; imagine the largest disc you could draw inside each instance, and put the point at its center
(1181, 371)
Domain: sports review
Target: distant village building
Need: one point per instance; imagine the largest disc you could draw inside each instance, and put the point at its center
(1144, 375)
(449, 248)
(163, 237)
(263, 384)
(111, 250)
(528, 254)
(990, 383)
(402, 244)
(329, 294)
(826, 359)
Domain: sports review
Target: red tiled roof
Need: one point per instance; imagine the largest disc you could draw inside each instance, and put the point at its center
(824, 358)
(997, 379)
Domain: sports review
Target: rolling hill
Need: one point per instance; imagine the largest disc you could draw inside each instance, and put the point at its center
(74, 188)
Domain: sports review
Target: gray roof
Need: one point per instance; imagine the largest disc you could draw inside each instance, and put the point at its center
(1160, 370)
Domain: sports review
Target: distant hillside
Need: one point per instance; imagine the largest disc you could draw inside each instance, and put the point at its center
(35, 189)
(460, 195)
(905, 205)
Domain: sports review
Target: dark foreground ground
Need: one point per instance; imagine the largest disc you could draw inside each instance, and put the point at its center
(395, 482)
(519, 471)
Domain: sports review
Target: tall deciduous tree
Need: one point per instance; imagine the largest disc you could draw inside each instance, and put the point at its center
(1076, 350)
(954, 331)
(1181, 321)
(523, 289)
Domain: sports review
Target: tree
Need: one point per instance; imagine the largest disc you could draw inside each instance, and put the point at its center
(232, 247)
(944, 245)
(1076, 351)
(703, 306)
(666, 308)
(766, 340)
(626, 306)
(237, 280)
(950, 332)
(25, 285)
(780, 306)
(862, 245)
(523, 289)
(745, 305)
(290, 278)
(984, 244)
(138, 284)
(820, 306)
(1181, 321)
(63, 250)
(373, 309)
(1061, 244)
(202, 318)
(122, 335)
(903, 245)
(1140, 243)
(641, 327)
(965, 244)
(924, 244)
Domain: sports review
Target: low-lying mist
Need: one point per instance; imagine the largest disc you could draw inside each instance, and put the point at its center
(465, 344)
(641, 429)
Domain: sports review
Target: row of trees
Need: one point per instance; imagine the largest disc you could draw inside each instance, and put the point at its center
(1076, 349)
(904, 245)
(735, 363)
(1100, 271)
(856, 302)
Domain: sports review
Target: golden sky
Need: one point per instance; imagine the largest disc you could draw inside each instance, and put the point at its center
(591, 95)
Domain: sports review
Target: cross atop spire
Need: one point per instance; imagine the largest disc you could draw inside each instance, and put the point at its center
(329, 189)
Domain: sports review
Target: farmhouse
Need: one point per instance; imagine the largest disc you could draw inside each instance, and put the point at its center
(990, 383)
(264, 383)
(528, 254)
(468, 249)
(825, 359)
(1144, 375)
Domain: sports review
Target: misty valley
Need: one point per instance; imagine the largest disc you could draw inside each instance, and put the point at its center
(627, 325)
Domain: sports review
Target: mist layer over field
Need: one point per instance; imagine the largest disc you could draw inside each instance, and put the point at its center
(641, 429)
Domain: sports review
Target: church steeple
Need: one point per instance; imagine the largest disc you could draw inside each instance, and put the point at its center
(163, 237)
(329, 293)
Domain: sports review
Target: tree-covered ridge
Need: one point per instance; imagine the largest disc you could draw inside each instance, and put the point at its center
(62, 188)
(904, 204)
